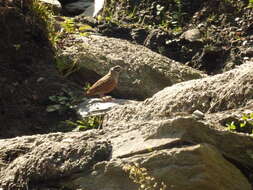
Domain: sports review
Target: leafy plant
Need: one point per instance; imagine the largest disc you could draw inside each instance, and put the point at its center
(250, 5)
(68, 25)
(86, 86)
(62, 102)
(164, 24)
(66, 66)
(132, 14)
(92, 122)
(245, 124)
(177, 30)
(84, 28)
(140, 176)
(107, 15)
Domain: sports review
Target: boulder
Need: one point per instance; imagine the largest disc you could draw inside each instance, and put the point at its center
(142, 136)
(191, 167)
(173, 152)
(30, 161)
(176, 148)
(166, 119)
(221, 92)
(145, 72)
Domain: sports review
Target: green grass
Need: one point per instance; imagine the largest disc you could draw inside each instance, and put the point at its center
(250, 5)
(92, 122)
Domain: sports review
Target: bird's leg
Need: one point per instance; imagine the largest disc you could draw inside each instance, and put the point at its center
(106, 98)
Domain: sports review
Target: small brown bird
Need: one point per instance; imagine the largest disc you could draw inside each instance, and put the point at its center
(106, 84)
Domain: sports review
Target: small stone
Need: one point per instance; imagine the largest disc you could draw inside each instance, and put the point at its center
(245, 42)
(192, 35)
(40, 79)
(201, 25)
(249, 52)
(198, 114)
(94, 173)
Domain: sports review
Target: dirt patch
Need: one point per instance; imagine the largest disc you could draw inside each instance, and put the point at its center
(27, 73)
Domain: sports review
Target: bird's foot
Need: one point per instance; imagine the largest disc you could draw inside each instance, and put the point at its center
(107, 99)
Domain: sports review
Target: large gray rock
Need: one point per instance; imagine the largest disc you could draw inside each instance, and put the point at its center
(176, 151)
(221, 92)
(145, 72)
(142, 136)
(165, 120)
(160, 134)
(28, 161)
(195, 167)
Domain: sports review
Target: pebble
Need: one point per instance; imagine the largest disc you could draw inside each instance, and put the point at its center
(198, 114)
(244, 42)
(40, 79)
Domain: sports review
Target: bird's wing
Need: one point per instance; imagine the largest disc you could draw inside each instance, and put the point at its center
(102, 86)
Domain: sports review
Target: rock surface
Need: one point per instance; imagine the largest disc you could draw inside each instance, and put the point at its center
(192, 167)
(221, 92)
(96, 106)
(33, 160)
(54, 5)
(192, 35)
(129, 139)
(178, 135)
(176, 148)
(180, 152)
(145, 72)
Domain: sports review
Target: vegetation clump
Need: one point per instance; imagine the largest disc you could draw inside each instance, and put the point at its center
(244, 124)
(92, 122)
(140, 176)
(42, 14)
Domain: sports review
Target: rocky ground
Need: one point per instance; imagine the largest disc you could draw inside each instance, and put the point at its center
(213, 36)
(171, 53)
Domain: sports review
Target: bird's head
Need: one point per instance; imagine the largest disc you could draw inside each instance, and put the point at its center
(116, 69)
(114, 72)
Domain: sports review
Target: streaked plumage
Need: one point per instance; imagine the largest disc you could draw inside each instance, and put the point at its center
(106, 84)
